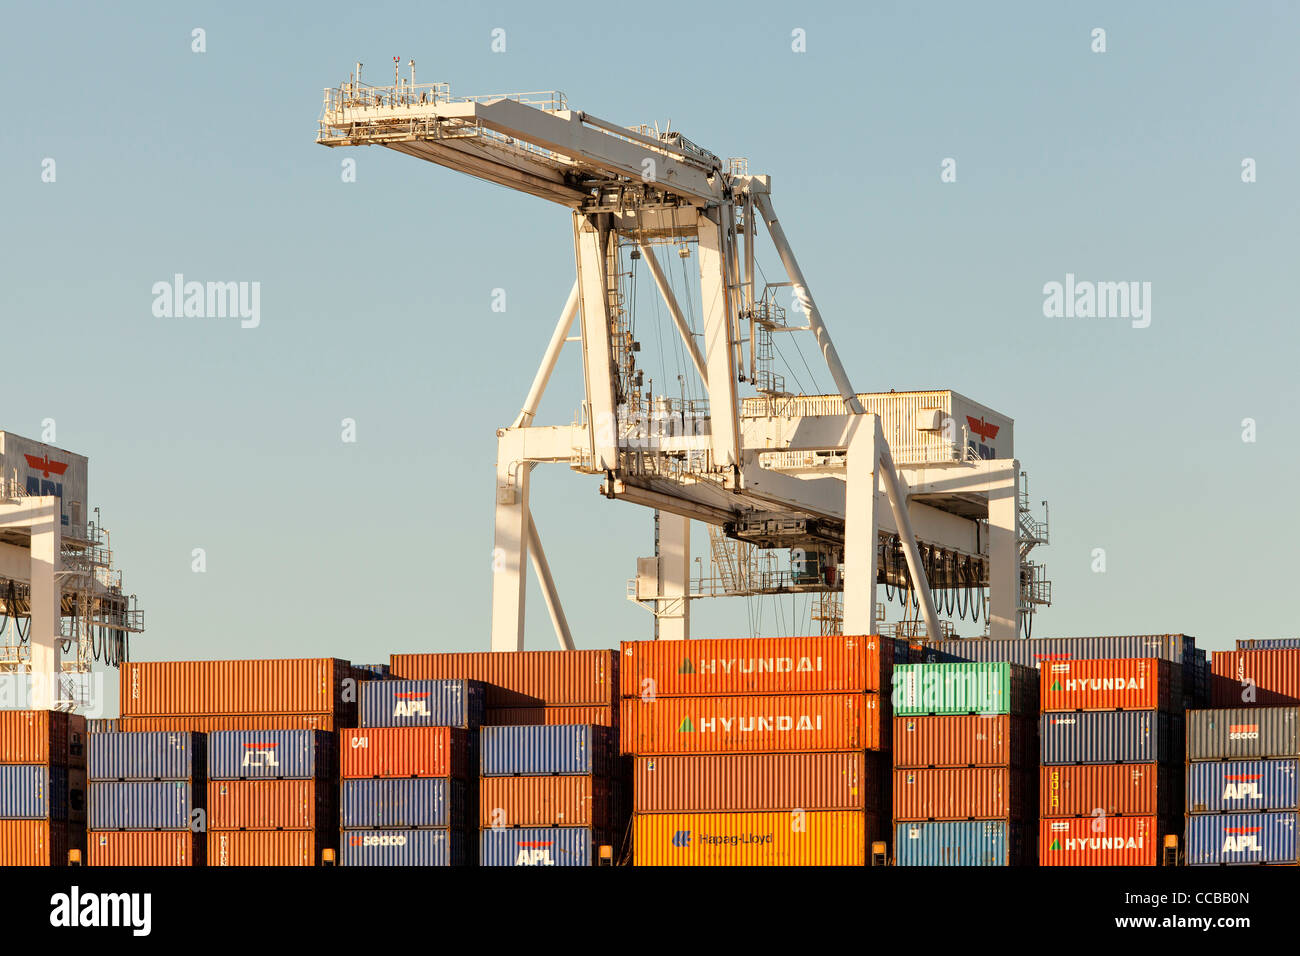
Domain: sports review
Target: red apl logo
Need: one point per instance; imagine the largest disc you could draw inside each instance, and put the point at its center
(46, 466)
(982, 428)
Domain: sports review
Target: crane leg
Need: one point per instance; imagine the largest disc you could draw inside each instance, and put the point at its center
(509, 553)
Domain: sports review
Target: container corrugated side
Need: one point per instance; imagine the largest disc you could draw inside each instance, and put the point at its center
(1269, 644)
(271, 804)
(960, 843)
(1264, 678)
(1080, 790)
(425, 703)
(33, 792)
(995, 687)
(565, 801)
(1133, 683)
(146, 848)
(535, 749)
(540, 846)
(103, 725)
(403, 848)
(396, 803)
(755, 665)
(406, 752)
(958, 793)
(33, 736)
(758, 782)
(523, 678)
(1242, 786)
(33, 843)
(272, 754)
(269, 847)
(796, 838)
(753, 724)
(966, 740)
(146, 756)
(137, 805)
(1220, 734)
(193, 688)
(1099, 841)
(1178, 648)
(541, 714)
(214, 722)
(1120, 736)
(1242, 838)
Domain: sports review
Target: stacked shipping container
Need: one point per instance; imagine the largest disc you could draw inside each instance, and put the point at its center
(756, 751)
(963, 778)
(146, 798)
(1110, 735)
(42, 787)
(408, 774)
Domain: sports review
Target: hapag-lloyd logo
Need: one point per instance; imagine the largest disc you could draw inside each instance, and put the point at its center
(736, 839)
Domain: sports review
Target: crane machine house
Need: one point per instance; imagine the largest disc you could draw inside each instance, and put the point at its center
(919, 490)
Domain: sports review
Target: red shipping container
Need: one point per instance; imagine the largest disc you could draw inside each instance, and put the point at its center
(958, 793)
(1099, 841)
(36, 736)
(196, 688)
(268, 847)
(212, 722)
(708, 783)
(405, 752)
(569, 801)
(523, 678)
(551, 716)
(755, 665)
(1248, 678)
(1109, 684)
(146, 848)
(270, 805)
(794, 723)
(1139, 790)
(33, 843)
(968, 740)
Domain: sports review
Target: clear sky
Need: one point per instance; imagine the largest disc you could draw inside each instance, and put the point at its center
(376, 295)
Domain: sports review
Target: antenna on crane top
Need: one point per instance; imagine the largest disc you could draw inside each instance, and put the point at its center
(411, 64)
(397, 72)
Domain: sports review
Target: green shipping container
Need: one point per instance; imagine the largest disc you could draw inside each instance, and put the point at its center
(964, 688)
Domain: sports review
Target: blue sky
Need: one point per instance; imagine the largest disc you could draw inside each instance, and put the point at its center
(376, 294)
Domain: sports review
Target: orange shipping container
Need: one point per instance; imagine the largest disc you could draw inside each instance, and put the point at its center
(146, 848)
(544, 802)
(551, 716)
(1108, 684)
(268, 847)
(758, 782)
(1140, 789)
(1099, 841)
(761, 665)
(269, 805)
(967, 740)
(958, 793)
(36, 736)
(523, 678)
(210, 723)
(1247, 678)
(831, 838)
(801, 722)
(33, 843)
(405, 752)
(195, 688)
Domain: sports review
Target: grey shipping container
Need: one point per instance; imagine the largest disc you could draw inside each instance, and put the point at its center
(1269, 644)
(140, 805)
(150, 755)
(1222, 786)
(402, 803)
(272, 755)
(421, 703)
(1242, 838)
(539, 846)
(402, 848)
(1117, 736)
(1171, 647)
(960, 843)
(1243, 732)
(532, 750)
(33, 792)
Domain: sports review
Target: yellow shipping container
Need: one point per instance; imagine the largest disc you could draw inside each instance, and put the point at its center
(795, 838)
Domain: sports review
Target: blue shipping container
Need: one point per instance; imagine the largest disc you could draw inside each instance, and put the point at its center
(959, 843)
(33, 792)
(1236, 838)
(402, 848)
(1113, 736)
(139, 805)
(272, 754)
(1219, 786)
(402, 803)
(372, 671)
(154, 755)
(421, 703)
(538, 846)
(535, 750)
